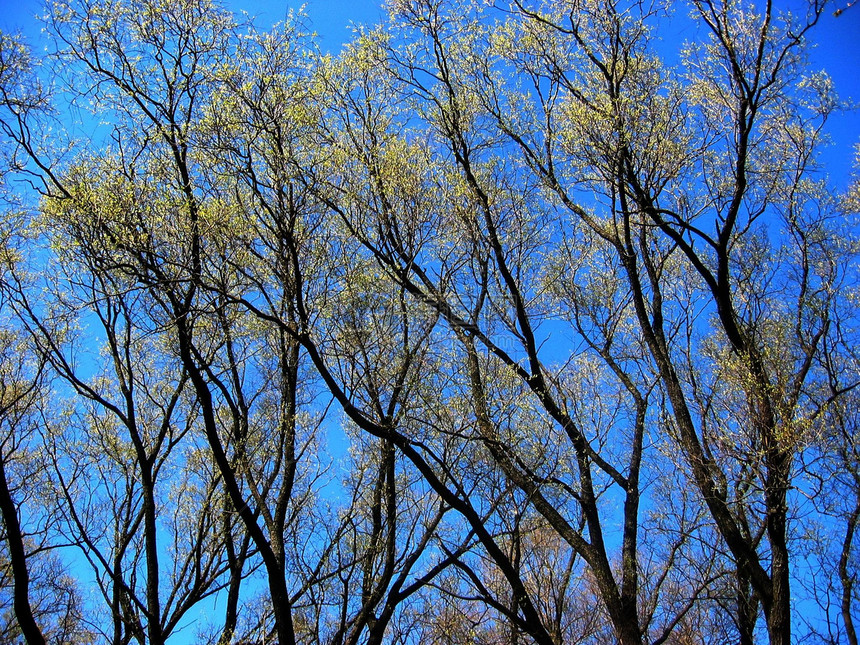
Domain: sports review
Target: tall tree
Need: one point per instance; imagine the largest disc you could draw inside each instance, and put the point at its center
(691, 208)
(164, 248)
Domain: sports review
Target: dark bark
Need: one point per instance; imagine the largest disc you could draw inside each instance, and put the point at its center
(18, 559)
(747, 610)
(621, 606)
(275, 570)
(846, 578)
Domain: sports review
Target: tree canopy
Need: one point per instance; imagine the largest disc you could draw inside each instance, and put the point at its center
(507, 324)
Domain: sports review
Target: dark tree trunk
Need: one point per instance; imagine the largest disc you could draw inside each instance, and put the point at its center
(18, 559)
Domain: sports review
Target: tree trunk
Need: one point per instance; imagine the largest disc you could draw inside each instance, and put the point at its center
(18, 558)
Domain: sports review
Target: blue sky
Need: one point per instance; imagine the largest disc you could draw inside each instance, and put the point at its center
(837, 50)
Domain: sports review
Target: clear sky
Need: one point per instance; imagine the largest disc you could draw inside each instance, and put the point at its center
(837, 50)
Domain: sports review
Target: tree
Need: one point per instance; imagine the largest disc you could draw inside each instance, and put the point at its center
(164, 292)
(671, 187)
(39, 601)
(394, 196)
(19, 386)
(583, 314)
(120, 450)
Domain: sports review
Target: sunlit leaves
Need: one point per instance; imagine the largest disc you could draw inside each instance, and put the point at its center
(581, 308)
